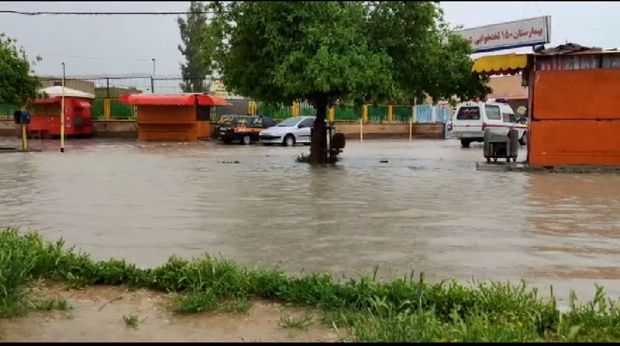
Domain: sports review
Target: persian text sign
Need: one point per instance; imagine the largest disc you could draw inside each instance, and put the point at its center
(521, 33)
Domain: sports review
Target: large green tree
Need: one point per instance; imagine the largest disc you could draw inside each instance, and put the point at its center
(197, 48)
(18, 85)
(329, 51)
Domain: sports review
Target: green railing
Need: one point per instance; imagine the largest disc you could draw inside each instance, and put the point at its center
(118, 110)
(402, 113)
(347, 113)
(7, 110)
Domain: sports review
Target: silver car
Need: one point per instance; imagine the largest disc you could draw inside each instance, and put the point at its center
(295, 130)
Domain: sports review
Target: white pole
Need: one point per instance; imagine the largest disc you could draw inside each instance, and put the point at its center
(62, 112)
(361, 130)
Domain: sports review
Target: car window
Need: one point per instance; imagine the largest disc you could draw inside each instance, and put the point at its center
(307, 123)
(492, 112)
(268, 122)
(509, 118)
(227, 120)
(289, 122)
(468, 113)
(256, 122)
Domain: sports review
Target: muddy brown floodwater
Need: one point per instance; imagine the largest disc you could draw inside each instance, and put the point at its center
(426, 209)
(96, 314)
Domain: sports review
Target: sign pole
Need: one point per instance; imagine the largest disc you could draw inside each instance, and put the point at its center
(62, 112)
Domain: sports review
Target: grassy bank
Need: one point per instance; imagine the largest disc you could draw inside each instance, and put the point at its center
(401, 310)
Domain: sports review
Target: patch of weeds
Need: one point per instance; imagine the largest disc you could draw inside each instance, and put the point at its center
(400, 310)
(298, 323)
(237, 305)
(16, 262)
(49, 304)
(196, 301)
(131, 321)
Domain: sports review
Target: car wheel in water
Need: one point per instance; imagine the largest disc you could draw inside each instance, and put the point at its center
(289, 141)
(465, 143)
(246, 140)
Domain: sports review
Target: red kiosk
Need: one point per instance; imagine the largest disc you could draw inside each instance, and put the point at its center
(45, 112)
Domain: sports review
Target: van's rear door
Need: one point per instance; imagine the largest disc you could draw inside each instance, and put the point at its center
(468, 122)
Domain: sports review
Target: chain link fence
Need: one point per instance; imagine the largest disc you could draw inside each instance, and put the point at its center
(108, 89)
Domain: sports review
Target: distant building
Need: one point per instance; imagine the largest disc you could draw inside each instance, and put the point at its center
(76, 84)
(509, 88)
(114, 92)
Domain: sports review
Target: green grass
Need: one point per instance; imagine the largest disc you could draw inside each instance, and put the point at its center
(239, 305)
(131, 321)
(298, 323)
(401, 310)
(196, 302)
(51, 304)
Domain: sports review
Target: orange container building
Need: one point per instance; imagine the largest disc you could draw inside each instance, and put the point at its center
(181, 117)
(46, 113)
(575, 108)
(573, 103)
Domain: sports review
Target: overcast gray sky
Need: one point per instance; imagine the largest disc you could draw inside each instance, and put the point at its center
(126, 44)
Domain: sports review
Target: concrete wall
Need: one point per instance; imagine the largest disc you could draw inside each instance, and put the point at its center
(434, 131)
(115, 128)
(129, 129)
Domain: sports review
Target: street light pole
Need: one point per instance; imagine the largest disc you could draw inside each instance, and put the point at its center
(153, 77)
(62, 112)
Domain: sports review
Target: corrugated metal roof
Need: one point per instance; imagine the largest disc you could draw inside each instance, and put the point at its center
(173, 99)
(574, 49)
(54, 91)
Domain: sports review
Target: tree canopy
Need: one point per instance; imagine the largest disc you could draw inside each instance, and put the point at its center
(197, 48)
(329, 51)
(18, 85)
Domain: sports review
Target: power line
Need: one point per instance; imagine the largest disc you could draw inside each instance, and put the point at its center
(63, 13)
(92, 57)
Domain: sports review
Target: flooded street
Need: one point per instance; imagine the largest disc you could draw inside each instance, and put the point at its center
(426, 209)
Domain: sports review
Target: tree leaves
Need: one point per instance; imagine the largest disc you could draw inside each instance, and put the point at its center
(199, 42)
(357, 51)
(17, 85)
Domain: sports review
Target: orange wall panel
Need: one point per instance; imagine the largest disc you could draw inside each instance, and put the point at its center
(577, 94)
(166, 114)
(204, 129)
(574, 142)
(167, 123)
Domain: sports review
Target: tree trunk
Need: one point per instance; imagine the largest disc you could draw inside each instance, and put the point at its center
(318, 146)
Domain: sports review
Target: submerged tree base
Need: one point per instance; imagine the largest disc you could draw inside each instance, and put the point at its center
(401, 310)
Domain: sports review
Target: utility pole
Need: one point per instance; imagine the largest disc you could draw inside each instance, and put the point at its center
(62, 112)
(153, 77)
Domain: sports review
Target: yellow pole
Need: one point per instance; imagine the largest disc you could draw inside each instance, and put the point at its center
(331, 114)
(365, 113)
(24, 138)
(390, 114)
(62, 112)
(106, 109)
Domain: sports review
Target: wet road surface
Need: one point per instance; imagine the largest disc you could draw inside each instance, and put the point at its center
(426, 209)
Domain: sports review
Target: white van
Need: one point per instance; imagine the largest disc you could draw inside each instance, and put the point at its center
(472, 118)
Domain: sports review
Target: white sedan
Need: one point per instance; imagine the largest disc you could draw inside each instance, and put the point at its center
(289, 132)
